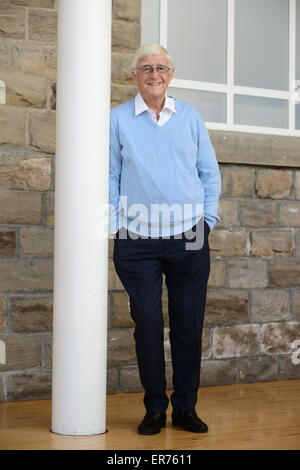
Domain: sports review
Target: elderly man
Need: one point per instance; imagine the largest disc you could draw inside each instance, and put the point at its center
(164, 192)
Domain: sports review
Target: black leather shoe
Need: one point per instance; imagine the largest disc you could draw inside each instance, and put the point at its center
(189, 421)
(152, 423)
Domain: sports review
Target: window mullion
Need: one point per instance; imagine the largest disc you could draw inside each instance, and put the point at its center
(292, 62)
(230, 60)
(163, 27)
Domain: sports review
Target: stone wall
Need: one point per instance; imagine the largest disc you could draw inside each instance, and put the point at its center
(253, 308)
(253, 305)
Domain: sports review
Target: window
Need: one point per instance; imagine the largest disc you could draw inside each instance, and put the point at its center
(237, 61)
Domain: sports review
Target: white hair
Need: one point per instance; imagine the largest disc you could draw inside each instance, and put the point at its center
(151, 49)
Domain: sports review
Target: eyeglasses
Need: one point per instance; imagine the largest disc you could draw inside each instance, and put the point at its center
(148, 69)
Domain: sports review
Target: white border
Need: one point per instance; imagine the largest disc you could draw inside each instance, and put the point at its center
(252, 129)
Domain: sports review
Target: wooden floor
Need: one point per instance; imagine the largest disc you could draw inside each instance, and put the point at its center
(264, 415)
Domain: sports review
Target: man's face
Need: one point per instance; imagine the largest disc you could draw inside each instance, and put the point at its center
(153, 85)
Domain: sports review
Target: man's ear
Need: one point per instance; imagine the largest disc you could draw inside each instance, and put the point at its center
(172, 75)
(133, 75)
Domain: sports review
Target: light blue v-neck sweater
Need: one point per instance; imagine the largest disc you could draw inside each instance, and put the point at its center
(162, 179)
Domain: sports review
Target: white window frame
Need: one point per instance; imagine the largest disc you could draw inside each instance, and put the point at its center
(230, 89)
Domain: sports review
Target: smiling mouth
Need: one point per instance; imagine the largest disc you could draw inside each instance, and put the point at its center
(154, 83)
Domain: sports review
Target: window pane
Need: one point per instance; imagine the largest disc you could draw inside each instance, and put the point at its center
(197, 39)
(262, 43)
(255, 111)
(298, 116)
(150, 21)
(298, 40)
(212, 106)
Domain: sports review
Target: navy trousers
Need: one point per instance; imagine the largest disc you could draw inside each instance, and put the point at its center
(140, 265)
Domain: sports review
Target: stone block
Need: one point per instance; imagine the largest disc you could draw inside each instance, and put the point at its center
(25, 276)
(272, 243)
(5, 58)
(29, 174)
(36, 242)
(31, 314)
(12, 22)
(274, 184)
(13, 125)
(121, 68)
(297, 242)
(297, 185)
(167, 345)
(268, 305)
(110, 248)
(120, 347)
(109, 312)
(112, 380)
(247, 273)
(217, 273)
(289, 214)
(18, 207)
(238, 182)
(34, 58)
(52, 98)
(277, 338)
(288, 369)
(23, 89)
(219, 372)
(125, 36)
(49, 207)
(47, 351)
(258, 213)
(284, 272)
(226, 306)
(233, 341)
(3, 314)
(35, 3)
(165, 306)
(256, 149)
(42, 130)
(120, 309)
(2, 392)
(169, 375)
(130, 379)
(114, 282)
(22, 352)
(42, 26)
(259, 369)
(228, 213)
(129, 10)
(121, 93)
(206, 343)
(295, 299)
(13, 155)
(228, 243)
(7, 242)
(29, 386)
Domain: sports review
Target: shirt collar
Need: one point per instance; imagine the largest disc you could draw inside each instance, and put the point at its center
(140, 105)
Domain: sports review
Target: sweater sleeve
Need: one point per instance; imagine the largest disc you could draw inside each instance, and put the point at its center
(115, 168)
(208, 171)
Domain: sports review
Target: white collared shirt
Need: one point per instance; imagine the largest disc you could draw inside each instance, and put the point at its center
(164, 115)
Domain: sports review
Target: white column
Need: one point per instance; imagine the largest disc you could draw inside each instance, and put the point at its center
(81, 186)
